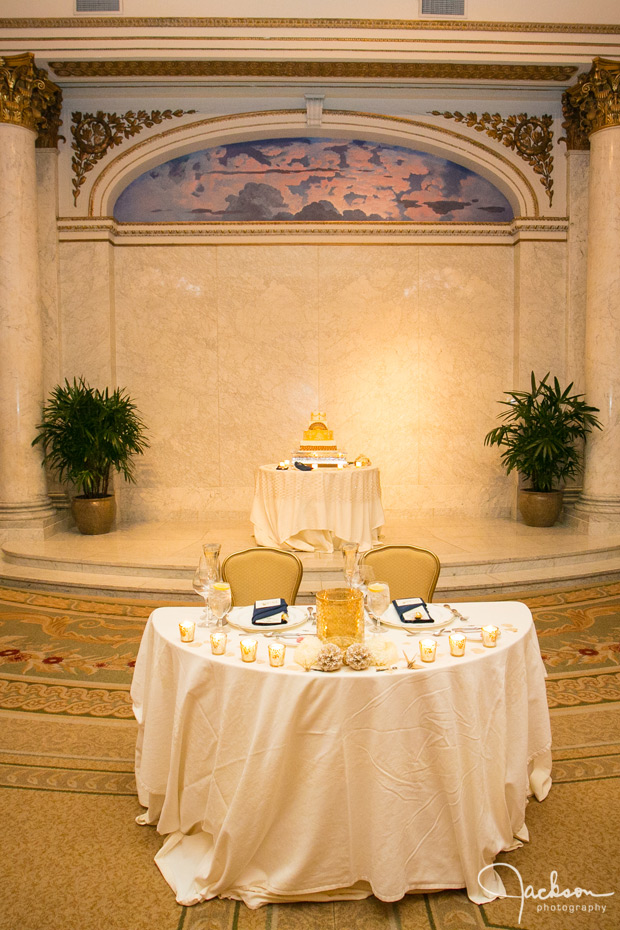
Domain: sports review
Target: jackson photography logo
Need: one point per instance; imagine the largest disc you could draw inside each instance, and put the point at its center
(545, 895)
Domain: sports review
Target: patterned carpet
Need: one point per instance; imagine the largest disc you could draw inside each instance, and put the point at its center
(73, 858)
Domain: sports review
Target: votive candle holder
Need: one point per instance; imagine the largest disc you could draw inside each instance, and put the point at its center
(187, 630)
(428, 649)
(489, 636)
(457, 644)
(218, 643)
(248, 649)
(277, 651)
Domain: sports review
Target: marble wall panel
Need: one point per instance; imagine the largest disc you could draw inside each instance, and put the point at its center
(541, 310)
(87, 326)
(466, 352)
(577, 250)
(47, 199)
(369, 359)
(166, 345)
(267, 354)
(227, 350)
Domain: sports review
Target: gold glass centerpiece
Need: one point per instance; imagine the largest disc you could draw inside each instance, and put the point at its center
(340, 616)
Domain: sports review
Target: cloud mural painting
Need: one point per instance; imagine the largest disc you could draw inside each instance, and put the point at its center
(314, 180)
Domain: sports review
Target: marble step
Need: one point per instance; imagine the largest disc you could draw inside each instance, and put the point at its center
(499, 577)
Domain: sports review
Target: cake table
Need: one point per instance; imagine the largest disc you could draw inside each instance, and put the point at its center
(318, 509)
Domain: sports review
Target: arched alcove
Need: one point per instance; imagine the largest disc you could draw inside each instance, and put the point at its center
(435, 140)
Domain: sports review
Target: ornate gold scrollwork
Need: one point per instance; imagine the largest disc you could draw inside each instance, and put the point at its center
(27, 97)
(95, 133)
(592, 103)
(530, 136)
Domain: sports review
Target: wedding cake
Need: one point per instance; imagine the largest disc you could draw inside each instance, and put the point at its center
(318, 447)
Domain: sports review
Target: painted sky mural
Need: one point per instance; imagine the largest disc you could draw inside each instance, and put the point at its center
(310, 179)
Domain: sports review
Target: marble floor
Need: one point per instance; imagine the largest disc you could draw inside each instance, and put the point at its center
(478, 556)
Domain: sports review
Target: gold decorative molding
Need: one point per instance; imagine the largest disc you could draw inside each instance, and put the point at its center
(530, 136)
(27, 97)
(95, 133)
(391, 70)
(593, 102)
(200, 22)
(107, 229)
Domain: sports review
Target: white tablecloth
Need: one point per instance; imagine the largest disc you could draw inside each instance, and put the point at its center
(317, 509)
(280, 784)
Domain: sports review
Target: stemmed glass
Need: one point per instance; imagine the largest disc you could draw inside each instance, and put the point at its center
(349, 556)
(378, 601)
(207, 572)
(202, 584)
(220, 602)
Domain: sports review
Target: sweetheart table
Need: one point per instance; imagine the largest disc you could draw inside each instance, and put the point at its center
(279, 784)
(318, 509)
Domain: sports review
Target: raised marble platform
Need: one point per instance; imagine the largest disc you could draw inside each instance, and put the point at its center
(478, 557)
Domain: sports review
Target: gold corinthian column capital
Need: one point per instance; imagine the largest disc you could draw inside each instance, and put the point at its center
(28, 98)
(592, 103)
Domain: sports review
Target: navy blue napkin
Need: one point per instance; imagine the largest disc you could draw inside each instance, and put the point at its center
(263, 610)
(302, 466)
(408, 607)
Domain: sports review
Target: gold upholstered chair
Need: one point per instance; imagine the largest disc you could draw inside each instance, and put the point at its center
(261, 573)
(408, 570)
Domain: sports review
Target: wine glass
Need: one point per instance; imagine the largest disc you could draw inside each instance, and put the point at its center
(202, 584)
(211, 553)
(349, 555)
(220, 601)
(378, 601)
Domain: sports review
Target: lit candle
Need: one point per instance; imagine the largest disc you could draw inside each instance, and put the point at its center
(358, 464)
(218, 643)
(489, 636)
(340, 464)
(457, 644)
(248, 649)
(314, 465)
(187, 628)
(428, 648)
(277, 652)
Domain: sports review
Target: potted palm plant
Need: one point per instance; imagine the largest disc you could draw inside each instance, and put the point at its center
(541, 437)
(86, 434)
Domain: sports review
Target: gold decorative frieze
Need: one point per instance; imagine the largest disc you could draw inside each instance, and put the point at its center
(223, 22)
(593, 102)
(392, 70)
(530, 137)
(95, 133)
(27, 97)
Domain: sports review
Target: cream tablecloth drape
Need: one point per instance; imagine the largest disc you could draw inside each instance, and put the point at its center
(317, 509)
(283, 785)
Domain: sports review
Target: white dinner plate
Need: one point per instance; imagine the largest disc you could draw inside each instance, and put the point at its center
(441, 617)
(241, 619)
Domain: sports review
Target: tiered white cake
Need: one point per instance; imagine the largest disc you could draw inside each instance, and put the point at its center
(318, 447)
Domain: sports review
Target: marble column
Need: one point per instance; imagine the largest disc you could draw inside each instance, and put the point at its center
(25, 94)
(593, 108)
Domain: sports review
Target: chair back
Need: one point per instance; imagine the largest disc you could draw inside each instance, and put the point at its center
(261, 573)
(408, 570)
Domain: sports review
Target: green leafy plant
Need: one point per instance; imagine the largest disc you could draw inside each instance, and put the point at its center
(86, 433)
(541, 432)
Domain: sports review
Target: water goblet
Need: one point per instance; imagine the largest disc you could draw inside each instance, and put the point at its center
(201, 584)
(220, 601)
(378, 601)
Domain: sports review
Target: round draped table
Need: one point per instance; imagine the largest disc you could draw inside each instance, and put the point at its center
(318, 509)
(277, 784)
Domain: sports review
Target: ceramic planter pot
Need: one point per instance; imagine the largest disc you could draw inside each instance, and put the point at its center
(539, 508)
(93, 515)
